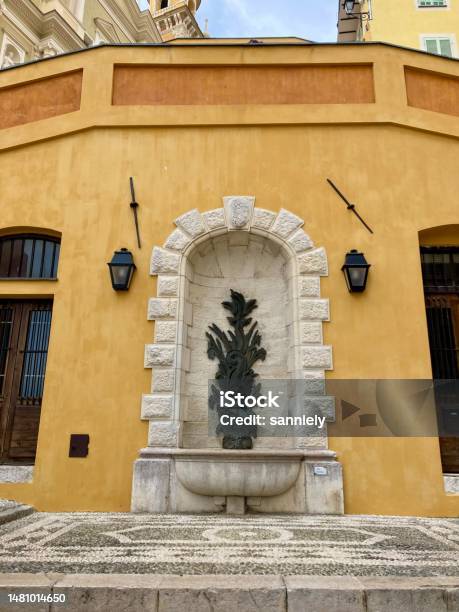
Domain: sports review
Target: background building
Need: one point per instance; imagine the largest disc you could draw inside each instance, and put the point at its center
(33, 29)
(430, 25)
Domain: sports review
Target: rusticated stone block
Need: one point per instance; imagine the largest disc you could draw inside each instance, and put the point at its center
(164, 262)
(162, 308)
(313, 262)
(317, 357)
(163, 380)
(166, 331)
(177, 241)
(286, 223)
(311, 333)
(323, 406)
(263, 219)
(214, 219)
(163, 434)
(157, 406)
(168, 286)
(300, 241)
(315, 309)
(309, 286)
(314, 385)
(192, 223)
(159, 355)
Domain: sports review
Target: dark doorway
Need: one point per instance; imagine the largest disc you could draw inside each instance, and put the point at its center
(440, 271)
(24, 338)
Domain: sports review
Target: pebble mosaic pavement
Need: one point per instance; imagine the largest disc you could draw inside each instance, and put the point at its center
(254, 544)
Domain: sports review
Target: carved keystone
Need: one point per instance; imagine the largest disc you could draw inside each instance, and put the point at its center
(239, 211)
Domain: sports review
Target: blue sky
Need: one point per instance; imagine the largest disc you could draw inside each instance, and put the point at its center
(312, 19)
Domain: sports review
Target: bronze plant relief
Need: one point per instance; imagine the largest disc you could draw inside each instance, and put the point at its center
(237, 351)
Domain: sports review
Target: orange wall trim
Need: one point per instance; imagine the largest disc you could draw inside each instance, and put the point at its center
(191, 85)
(40, 99)
(432, 91)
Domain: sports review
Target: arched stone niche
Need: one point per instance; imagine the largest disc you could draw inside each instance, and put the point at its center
(263, 254)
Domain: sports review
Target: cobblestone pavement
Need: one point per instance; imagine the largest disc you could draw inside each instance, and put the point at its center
(256, 544)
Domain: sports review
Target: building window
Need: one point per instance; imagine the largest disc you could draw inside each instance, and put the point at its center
(440, 45)
(440, 273)
(164, 4)
(29, 256)
(440, 269)
(24, 338)
(432, 3)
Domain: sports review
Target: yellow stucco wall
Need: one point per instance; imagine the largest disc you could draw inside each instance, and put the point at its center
(71, 173)
(403, 22)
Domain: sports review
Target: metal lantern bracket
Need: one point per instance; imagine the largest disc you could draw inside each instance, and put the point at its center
(350, 206)
(134, 206)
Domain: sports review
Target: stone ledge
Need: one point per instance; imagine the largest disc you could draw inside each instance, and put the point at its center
(451, 484)
(16, 473)
(250, 593)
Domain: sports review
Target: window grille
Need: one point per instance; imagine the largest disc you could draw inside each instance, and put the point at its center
(29, 256)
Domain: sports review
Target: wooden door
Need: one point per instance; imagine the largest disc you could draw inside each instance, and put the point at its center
(24, 338)
(443, 326)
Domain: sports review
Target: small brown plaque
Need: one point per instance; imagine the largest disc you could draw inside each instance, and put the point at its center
(79, 445)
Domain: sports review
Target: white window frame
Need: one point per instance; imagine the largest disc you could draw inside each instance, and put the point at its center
(436, 35)
(433, 8)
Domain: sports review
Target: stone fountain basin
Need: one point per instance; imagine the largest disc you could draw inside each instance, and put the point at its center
(240, 473)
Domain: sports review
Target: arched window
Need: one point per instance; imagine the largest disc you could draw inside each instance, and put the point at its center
(29, 256)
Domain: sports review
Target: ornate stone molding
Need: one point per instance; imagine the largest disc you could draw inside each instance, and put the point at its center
(168, 356)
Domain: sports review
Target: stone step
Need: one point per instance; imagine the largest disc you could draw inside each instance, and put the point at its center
(11, 511)
(165, 593)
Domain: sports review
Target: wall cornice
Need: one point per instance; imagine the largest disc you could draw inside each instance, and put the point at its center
(390, 106)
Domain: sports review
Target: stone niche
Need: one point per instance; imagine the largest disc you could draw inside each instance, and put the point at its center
(269, 257)
(257, 267)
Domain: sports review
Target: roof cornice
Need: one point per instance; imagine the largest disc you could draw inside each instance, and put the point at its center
(36, 25)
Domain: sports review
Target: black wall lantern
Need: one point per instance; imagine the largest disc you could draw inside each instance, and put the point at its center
(355, 271)
(122, 268)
